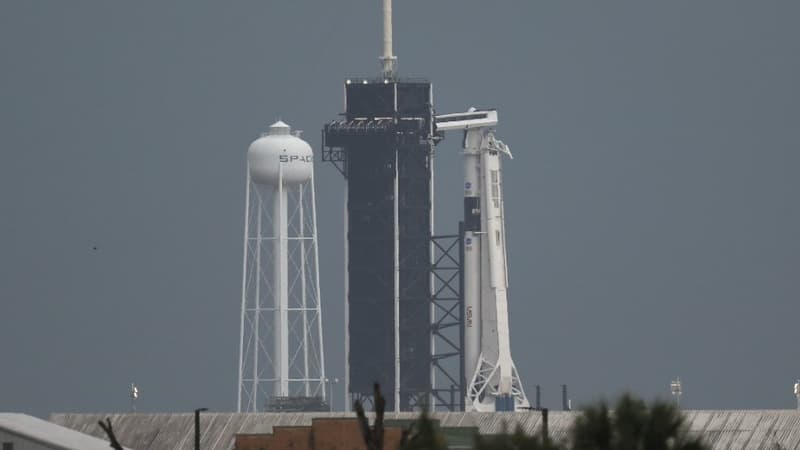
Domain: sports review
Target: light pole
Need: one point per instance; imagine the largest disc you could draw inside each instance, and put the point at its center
(676, 388)
(797, 393)
(134, 396)
(329, 384)
(197, 427)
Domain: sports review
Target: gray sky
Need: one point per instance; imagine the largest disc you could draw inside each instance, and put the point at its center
(652, 206)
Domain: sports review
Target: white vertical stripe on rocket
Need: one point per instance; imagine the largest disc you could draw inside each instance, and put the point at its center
(472, 256)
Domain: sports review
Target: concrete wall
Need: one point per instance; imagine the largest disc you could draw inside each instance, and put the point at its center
(323, 434)
(282, 438)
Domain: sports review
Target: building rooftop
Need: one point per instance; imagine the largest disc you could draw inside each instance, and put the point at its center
(722, 429)
(48, 433)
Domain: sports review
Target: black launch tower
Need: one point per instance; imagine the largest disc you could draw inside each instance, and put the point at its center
(384, 148)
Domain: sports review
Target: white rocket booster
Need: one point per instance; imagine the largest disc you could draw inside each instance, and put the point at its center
(494, 305)
(492, 379)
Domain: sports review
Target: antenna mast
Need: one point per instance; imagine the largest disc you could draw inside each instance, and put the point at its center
(388, 61)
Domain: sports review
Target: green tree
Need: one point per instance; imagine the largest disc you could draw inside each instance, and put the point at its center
(517, 440)
(423, 435)
(633, 425)
(373, 437)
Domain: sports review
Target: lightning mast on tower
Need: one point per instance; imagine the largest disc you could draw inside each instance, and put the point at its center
(388, 60)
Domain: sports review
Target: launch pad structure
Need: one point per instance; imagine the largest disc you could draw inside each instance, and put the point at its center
(384, 148)
(426, 317)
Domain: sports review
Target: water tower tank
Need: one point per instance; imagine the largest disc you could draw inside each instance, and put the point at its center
(277, 154)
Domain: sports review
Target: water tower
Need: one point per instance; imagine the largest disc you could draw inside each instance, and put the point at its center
(281, 358)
